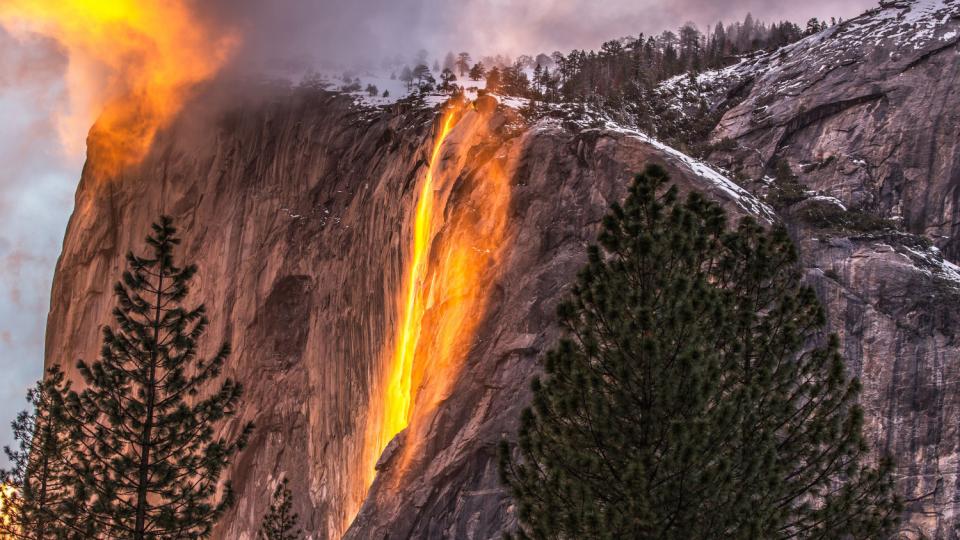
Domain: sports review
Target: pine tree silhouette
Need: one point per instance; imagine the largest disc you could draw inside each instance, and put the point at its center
(280, 523)
(149, 464)
(687, 400)
(36, 488)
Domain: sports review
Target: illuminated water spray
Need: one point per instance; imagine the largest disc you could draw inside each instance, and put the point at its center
(456, 245)
(399, 392)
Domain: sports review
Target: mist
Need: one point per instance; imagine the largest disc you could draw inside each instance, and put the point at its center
(295, 35)
(36, 193)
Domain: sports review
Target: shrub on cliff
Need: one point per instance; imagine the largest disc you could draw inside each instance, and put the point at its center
(149, 465)
(280, 522)
(687, 400)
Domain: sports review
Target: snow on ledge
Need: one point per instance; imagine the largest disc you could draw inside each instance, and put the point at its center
(743, 198)
(932, 263)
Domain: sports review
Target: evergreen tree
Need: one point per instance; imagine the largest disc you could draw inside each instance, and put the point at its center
(625, 72)
(514, 81)
(477, 72)
(424, 79)
(746, 34)
(280, 523)
(538, 80)
(150, 466)
(689, 43)
(448, 81)
(35, 495)
(463, 63)
(814, 26)
(406, 76)
(493, 79)
(687, 400)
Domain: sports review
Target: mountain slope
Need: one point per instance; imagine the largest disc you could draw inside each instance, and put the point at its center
(297, 212)
(866, 111)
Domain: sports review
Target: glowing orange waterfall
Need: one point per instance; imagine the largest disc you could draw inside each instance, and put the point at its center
(398, 397)
(457, 240)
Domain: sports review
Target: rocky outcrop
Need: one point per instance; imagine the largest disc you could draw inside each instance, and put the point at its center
(894, 306)
(865, 115)
(866, 112)
(292, 213)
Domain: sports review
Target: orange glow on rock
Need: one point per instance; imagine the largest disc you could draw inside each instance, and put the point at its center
(399, 394)
(8, 491)
(459, 230)
(132, 64)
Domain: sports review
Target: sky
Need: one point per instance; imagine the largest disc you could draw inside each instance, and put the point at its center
(291, 31)
(37, 180)
(40, 163)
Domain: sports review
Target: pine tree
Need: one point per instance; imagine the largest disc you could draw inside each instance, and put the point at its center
(463, 63)
(448, 81)
(493, 79)
(688, 400)
(423, 77)
(149, 463)
(35, 494)
(477, 72)
(813, 27)
(406, 75)
(538, 80)
(280, 523)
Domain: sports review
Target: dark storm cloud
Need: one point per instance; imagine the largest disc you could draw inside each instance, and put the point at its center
(294, 33)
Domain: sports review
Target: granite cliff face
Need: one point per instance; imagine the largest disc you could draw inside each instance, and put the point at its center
(866, 112)
(866, 115)
(299, 211)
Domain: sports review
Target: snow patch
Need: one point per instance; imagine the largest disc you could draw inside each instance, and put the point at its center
(931, 262)
(829, 200)
(744, 199)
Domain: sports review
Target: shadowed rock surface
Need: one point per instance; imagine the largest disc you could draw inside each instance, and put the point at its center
(866, 112)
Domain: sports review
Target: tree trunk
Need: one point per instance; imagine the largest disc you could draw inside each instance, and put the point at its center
(145, 445)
